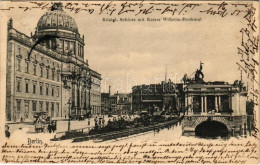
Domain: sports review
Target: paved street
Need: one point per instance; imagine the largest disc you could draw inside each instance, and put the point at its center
(62, 125)
(20, 132)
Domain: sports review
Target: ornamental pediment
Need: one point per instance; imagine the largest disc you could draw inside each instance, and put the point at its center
(41, 64)
(19, 56)
(35, 62)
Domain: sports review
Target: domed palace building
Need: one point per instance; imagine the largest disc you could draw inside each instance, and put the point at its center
(48, 71)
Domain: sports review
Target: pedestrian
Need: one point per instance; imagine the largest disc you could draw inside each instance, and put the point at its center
(54, 126)
(100, 121)
(88, 121)
(103, 122)
(109, 122)
(96, 124)
(45, 127)
(96, 119)
(49, 127)
(7, 133)
(38, 126)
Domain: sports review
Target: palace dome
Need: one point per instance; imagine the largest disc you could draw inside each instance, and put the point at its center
(56, 18)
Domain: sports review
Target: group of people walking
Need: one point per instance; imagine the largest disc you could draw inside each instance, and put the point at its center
(99, 122)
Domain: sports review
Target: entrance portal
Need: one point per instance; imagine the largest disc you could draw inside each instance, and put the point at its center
(211, 129)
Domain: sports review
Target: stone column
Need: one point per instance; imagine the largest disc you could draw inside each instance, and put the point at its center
(185, 105)
(219, 102)
(73, 95)
(202, 104)
(85, 99)
(189, 100)
(188, 104)
(216, 103)
(79, 98)
(186, 101)
(76, 99)
(205, 101)
(192, 103)
(237, 102)
(230, 101)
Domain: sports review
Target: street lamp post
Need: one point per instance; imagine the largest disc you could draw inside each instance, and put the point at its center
(69, 77)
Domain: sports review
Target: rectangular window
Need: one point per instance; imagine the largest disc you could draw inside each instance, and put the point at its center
(47, 107)
(52, 91)
(66, 46)
(47, 73)
(58, 77)
(26, 67)
(26, 108)
(81, 51)
(52, 75)
(41, 72)
(18, 103)
(58, 109)
(18, 86)
(26, 87)
(52, 109)
(41, 105)
(72, 47)
(41, 90)
(18, 64)
(53, 45)
(34, 69)
(34, 88)
(34, 106)
(47, 91)
(58, 92)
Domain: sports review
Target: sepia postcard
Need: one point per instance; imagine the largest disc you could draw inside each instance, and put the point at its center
(129, 82)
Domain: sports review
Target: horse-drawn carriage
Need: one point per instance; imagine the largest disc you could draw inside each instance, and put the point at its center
(43, 123)
(41, 126)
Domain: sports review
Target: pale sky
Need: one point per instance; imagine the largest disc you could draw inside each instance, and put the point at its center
(134, 53)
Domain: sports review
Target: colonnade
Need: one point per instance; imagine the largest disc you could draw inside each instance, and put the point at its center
(189, 101)
(79, 98)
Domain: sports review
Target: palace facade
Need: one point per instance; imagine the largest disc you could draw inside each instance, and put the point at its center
(48, 71)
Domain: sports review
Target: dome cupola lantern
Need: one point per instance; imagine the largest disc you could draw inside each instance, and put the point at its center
(57, 6)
